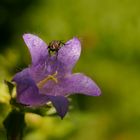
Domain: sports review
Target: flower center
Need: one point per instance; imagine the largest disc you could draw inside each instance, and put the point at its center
(46, 79)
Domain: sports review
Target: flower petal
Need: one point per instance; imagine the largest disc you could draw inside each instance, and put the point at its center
(79, 83)
(27, 91)
(69, 54)
(61, 104)
(72, 84)
(37, 48)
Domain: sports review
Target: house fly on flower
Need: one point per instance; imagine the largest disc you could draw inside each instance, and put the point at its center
(54, 46)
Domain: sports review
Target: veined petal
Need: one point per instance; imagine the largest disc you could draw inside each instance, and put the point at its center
(60, 103)
(69, 54)
(37, 48)
(27, 91)
(73, 84)
(79, 83)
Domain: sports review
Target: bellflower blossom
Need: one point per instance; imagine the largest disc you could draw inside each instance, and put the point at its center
(50, 78)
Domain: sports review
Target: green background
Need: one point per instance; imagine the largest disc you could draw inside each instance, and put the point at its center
(109, 31)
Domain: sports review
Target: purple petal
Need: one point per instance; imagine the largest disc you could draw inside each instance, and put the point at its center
(69, 54)
(27, 91)
(38, 72)
(61, 104)
(37, 48)
(73, 84)
(79, 83)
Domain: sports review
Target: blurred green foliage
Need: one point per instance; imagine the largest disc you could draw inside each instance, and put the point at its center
(109, 32)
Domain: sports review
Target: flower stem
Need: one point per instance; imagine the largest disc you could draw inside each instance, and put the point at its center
(14, 125)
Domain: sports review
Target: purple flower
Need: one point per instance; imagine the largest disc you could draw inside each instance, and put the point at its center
(50, 78)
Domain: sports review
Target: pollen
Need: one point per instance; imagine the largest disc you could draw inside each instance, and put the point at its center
(46, 79)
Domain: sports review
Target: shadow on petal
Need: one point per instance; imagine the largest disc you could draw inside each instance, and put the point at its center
(61, 104)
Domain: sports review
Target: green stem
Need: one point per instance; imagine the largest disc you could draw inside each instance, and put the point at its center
(14, 125)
